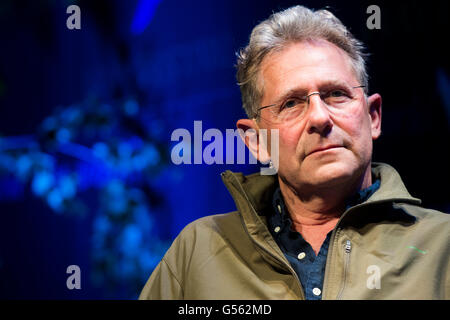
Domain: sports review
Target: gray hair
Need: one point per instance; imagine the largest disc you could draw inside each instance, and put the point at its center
(295, 24)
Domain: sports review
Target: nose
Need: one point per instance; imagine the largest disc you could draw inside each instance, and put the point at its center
(319, 120)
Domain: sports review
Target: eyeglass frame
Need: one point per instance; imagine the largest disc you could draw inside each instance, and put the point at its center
(307, 99)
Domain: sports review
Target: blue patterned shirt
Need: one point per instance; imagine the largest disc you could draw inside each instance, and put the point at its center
(309, 267)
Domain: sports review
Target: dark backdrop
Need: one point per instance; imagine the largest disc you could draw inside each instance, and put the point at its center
(86, 118)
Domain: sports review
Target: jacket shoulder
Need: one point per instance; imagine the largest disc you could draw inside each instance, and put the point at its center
(430, 222)
(202, 239)
(424, 214)
(212, 225)
(193, 247)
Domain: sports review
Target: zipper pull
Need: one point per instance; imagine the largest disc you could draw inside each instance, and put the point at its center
(348, 246)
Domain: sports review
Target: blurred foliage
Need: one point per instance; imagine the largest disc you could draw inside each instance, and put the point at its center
(100, 159)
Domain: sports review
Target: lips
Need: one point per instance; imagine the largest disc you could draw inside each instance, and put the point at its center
(332, 146)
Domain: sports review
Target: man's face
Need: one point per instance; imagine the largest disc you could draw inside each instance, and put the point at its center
(346, 133)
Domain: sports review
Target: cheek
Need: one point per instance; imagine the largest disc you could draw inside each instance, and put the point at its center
(289, 140)
(356, 125)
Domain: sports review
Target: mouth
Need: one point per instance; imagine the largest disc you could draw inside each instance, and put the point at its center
(325, 148)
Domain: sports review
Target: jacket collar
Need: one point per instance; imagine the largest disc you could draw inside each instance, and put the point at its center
(253, 193)
(253, 197)
(392, 187)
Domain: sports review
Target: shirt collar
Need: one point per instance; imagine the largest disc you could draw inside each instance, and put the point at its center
(361, 196)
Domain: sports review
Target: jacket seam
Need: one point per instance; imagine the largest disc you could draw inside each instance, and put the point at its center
(173, 275)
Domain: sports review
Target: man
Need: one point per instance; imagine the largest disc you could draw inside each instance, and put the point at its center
(330, 224)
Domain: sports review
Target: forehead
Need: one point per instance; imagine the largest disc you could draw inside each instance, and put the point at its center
(305, 64)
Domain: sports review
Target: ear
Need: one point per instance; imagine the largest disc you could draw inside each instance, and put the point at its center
(374, 105)
(249, 131)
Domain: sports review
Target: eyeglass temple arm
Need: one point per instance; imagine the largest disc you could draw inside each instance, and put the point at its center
(270, 105)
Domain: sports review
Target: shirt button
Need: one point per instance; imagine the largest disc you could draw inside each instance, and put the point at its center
(279, 208)
(316, 291)
(277, 229)
(301, 255)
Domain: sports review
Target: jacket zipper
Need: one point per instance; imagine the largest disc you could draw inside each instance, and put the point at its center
(348, 249)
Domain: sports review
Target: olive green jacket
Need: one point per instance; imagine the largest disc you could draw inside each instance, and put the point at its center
(387, 247)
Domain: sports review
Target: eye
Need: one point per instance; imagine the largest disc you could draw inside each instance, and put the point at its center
(337, 94)
(337, 97)
(291, 103)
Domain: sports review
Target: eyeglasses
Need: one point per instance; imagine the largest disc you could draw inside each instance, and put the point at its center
(294, 106)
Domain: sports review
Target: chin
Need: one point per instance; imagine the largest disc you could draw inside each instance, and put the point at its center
(328, 174)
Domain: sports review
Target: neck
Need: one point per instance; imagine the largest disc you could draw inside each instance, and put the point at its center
(317, 209)
(315, 212)
(317, 204)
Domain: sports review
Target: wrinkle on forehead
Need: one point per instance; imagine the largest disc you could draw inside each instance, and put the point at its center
(321, 59)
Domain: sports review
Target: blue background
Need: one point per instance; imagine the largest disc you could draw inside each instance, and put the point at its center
(86, 118)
